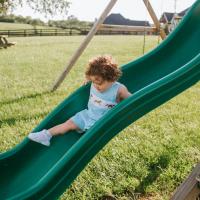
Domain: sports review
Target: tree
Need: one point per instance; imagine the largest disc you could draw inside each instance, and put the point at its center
(4, 6)
(47, 7)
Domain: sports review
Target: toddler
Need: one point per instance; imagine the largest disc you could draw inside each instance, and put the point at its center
(105, 93)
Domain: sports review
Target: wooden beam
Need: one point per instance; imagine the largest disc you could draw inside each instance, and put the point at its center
(83, 45)
(4, 42)
(108, 27)
(154, 18)
(190, 188)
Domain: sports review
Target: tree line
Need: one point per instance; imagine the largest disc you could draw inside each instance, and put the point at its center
(47, 8)
(71, 21)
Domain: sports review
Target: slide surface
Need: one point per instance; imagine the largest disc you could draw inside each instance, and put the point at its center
(34, 171)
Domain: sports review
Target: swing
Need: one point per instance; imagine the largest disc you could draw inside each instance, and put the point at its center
(160, 32)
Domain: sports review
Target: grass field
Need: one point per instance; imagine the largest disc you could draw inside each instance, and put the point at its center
(14, 26)
(151, 156)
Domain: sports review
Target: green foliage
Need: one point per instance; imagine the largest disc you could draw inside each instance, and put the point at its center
(8, 19)
(152, 156)
(4, 4)
(14, 26)
(20, 19)
(71, 21)
(50, 7)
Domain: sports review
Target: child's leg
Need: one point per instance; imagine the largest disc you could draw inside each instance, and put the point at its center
(63, 128)
(45, 136)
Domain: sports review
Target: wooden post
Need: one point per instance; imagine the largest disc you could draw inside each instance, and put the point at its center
(154, 18)
(189, 189)
(83, 45)
(108, 27)
(2, 44)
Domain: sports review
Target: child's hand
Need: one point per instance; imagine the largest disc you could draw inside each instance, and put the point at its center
(86, 81)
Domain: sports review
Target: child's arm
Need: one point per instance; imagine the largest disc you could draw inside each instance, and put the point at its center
(123, 93)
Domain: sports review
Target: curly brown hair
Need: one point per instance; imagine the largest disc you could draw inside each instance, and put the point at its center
(105, 67)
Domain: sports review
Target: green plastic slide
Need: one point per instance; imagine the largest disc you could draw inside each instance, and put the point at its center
(33, 171)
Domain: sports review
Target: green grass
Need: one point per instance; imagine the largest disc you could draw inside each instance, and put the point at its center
(14, 26)
(151, 156)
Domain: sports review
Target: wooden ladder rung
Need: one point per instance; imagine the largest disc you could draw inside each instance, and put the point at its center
(190, 188)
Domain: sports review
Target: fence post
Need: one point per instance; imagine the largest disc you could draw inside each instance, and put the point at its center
(70, 31)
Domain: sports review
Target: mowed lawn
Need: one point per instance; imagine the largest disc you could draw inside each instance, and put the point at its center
(151, 157)
(14, 26)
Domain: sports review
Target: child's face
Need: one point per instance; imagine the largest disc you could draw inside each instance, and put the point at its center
(100, 84)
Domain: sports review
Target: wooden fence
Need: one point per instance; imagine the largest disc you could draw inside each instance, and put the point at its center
(44, 32)
(74, 31)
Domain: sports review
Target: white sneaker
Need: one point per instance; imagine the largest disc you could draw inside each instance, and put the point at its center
(42, 137)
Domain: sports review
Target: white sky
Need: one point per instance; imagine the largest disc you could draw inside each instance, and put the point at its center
(88, 10)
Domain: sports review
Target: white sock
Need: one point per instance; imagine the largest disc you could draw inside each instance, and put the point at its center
(48, 134)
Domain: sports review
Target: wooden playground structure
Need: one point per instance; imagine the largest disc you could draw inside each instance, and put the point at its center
(100, 26)
(190, 188)
(4, 43)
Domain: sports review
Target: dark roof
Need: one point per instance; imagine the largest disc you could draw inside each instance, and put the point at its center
(168, 15)
(118, 19)
(182, 13)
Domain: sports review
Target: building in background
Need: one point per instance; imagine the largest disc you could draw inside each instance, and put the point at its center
(169, 20)
(118, 19)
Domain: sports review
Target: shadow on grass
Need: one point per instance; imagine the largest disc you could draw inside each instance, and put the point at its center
(12, 121)
(30, 96)
(155, 169)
